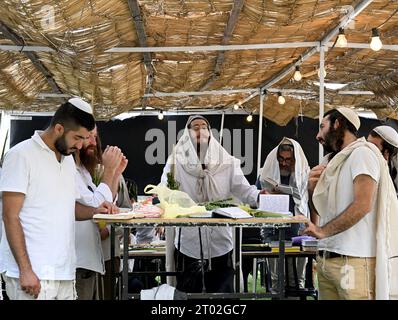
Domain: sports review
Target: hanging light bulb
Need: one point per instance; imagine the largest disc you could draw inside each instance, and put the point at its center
(341, 39)
(375, 43)
(236, 106)
(324, 72)
(160, 115)
(249, 118)
(297, 74)
(281, 99)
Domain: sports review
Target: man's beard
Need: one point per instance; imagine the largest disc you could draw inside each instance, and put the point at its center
(284, 172)
(333, 141)
(201, 149)
(89, 160)
(62, 147)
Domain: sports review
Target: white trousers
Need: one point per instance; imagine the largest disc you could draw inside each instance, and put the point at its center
(50, 290)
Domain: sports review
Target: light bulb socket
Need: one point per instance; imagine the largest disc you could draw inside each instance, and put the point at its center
(341, 31)
(375, 32)
(297, 68)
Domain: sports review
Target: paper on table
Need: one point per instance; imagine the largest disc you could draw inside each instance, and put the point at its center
(275, 203)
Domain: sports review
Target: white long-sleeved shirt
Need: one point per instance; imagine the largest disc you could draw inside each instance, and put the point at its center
(89, 253)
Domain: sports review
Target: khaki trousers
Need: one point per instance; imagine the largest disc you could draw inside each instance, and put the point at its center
(346, 278)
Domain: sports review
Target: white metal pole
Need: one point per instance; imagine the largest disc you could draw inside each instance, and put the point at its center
(5, 126)
(222, 126)
(260, 131)
(321, 93)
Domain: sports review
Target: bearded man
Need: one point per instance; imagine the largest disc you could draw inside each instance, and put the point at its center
(89, 255)
(355, 199)
(37, 255)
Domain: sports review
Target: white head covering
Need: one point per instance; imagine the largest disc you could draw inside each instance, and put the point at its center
(81, 104)
(216, 159)
(351, 116)
(388, 134)
(301, 172)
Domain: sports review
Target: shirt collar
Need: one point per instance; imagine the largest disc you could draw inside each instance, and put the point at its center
(37, 138)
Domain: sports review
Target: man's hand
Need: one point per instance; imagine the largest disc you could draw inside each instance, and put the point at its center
(313, 230)
(104, 233)
(30, 283)
(107, 207)
(122, 166)
(111, 157)
(264, 191)
(314, 176)
(159, 231)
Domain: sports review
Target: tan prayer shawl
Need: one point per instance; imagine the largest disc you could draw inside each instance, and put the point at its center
(386, 216)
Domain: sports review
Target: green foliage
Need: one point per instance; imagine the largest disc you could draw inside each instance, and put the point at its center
(171, 182)
(212, 205)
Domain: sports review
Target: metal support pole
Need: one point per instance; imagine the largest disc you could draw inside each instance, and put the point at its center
(222, 126)
(321, 93)
(260, 132)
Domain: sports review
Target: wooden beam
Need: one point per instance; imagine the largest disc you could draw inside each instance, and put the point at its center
(228, 31)
(11, 35)
(139, 27)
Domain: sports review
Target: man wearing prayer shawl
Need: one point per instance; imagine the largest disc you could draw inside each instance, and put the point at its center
(286, 164)
(356, 201)
(206, 172)
(386, 139)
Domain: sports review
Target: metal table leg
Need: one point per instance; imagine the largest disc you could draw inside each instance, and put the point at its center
(281, 263)
(126, 242)
(237, 259)
(113, 286)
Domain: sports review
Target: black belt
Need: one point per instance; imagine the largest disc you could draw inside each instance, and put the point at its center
(329, 254)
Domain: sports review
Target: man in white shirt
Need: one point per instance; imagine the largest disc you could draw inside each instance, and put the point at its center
(386, 139)
(89, 255)
(39, 191)
(206, 172)
(347, 195)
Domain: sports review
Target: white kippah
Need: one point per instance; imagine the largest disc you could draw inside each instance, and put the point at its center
(388, 134)
(80, 104)
(351, 116)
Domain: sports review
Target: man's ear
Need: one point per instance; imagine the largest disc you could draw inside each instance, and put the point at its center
(336, 124)
(59, 129)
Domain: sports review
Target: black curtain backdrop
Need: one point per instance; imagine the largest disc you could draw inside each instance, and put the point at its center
(131, 135)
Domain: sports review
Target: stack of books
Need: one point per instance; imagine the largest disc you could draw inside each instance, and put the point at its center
(309, 245)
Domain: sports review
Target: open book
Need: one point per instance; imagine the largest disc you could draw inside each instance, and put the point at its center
(124, 214)
(231, 212)
(272, 185)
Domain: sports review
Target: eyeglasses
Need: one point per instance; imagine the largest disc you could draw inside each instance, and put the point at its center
(287, 160)
(198, 127)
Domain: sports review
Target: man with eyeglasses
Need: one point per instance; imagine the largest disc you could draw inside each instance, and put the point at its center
(286, 164)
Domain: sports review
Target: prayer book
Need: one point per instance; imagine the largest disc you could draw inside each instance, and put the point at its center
(272, 185)
(275, 203)
(231, 212)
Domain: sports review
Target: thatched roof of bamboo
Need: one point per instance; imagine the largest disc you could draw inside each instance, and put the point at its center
(79, 33)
